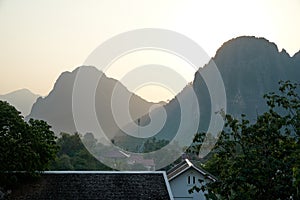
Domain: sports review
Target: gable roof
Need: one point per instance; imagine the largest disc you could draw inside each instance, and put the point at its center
(96, 185)
(185, 165)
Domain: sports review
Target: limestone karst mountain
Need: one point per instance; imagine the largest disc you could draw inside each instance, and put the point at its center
(249, 66)
(22, 100)
(56, 108)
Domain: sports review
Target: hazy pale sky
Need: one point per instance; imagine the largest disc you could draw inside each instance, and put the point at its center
(41, 39)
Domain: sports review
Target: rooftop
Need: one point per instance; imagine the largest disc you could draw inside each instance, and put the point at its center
(96, 185)
(184, 166)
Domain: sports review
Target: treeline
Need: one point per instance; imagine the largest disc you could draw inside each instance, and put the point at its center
(73, 152)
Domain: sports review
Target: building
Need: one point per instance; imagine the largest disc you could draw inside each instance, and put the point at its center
(136, 162)
(184, 176)
(95, 185)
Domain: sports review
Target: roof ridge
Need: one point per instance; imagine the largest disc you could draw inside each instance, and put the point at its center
(189, 162)
(185, 165)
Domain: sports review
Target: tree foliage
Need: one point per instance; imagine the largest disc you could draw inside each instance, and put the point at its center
(154, 144)
(24, 146)
(73, 155)
(259, 160)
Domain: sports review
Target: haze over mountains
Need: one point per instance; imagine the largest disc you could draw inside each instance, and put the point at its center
(250, 67)
(22, 100)
(56, 108)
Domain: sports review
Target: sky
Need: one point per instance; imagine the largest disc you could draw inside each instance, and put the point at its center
(40, 39)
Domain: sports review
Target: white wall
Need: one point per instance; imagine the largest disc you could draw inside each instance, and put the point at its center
(180, 186)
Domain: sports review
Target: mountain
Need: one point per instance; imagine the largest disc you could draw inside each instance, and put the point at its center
(56, 108)
(250, 67)
(22, 100)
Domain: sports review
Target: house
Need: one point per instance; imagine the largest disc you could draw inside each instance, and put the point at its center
(184, 176)
(139, 160)
(95, 185)
(135, 161)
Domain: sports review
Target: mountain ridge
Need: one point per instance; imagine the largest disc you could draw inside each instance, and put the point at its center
(56, 108)
(21, 99)
(255, 68)
(250, 67)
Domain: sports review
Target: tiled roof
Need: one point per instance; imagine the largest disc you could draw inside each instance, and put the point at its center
(177, 169)
(96, 185)
(185, 165)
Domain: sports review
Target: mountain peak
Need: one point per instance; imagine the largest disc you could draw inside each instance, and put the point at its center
(246, 47)
(21, 99)
(297, 55)
(285, 53)
(251, 67)
(56, 108)
(87, 67)
(20, 91)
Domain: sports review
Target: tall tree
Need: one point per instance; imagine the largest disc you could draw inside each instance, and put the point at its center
(24, 146)
(259, 160)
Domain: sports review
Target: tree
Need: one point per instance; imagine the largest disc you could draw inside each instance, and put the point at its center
(153, 144)
(73, 155)
(69, 144)
(24, 146)
(89, 141)
(63, 162)
(259, 160)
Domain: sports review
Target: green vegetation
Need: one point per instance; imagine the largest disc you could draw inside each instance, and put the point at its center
(25, 148)
(30, 147)
(259, 160)
(73, 155)
(153, 144)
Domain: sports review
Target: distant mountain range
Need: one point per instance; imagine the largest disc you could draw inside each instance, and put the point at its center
(22, 100)
(250, 67)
